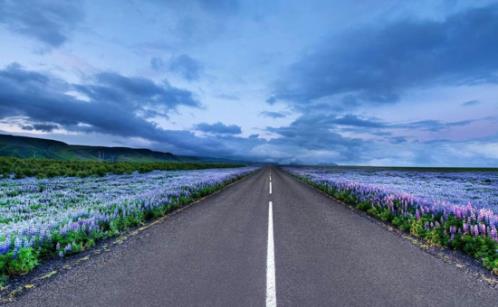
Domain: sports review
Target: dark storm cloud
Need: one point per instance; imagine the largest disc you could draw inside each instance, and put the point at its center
(136, 91)
(376, 64)
(48, 21)
(111, 107)
(218, 128)
(315, 132)
(113, 104)
(321, 132)
(40, 127)
(332, 122)
(273, 114)
(317, 138)
(369, 125)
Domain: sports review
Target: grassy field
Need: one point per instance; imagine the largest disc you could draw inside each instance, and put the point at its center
(46, 168)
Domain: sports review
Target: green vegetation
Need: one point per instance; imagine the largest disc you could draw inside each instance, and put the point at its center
(26, 147)
(442, 233)
(61, 244)
(45, 168)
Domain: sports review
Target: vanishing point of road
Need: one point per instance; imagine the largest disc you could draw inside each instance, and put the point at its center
(267, 240)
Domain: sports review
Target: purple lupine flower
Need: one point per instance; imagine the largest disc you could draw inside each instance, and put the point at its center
(475, 230)
(482, 229)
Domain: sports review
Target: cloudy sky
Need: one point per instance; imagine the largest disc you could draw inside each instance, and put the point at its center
(369, 82)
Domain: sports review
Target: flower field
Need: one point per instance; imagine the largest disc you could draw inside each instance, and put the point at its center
(41, 218)
(453, 209)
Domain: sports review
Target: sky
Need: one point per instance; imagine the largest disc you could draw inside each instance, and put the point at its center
(405, 83)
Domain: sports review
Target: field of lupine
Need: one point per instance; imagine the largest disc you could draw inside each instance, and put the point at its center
(42, 218)
(457, 209)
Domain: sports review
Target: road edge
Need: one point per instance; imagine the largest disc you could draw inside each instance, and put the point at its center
(53, 267)
(463, 262)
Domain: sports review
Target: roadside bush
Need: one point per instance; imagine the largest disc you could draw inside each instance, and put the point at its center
(21, 263)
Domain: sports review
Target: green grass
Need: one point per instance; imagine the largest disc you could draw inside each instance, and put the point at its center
(27, 147)
(45, 168)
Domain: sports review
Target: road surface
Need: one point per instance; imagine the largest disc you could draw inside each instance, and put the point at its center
(237, 249)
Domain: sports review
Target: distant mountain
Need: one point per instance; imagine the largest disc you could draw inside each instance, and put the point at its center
(28, 147)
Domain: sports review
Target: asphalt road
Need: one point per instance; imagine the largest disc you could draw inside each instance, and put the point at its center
(215, 253)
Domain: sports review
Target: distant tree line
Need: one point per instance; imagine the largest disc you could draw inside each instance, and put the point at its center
(46, 168)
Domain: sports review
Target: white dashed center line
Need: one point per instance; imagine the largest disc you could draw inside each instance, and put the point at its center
(271, 295)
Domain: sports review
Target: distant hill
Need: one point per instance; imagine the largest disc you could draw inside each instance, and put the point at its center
(28, 147)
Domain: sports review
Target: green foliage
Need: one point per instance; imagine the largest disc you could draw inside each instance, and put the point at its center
(435, 236)
(43, 168)
(4, 259)
(25, 260)
(385, 215)
(402, 222)
(364, 206)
